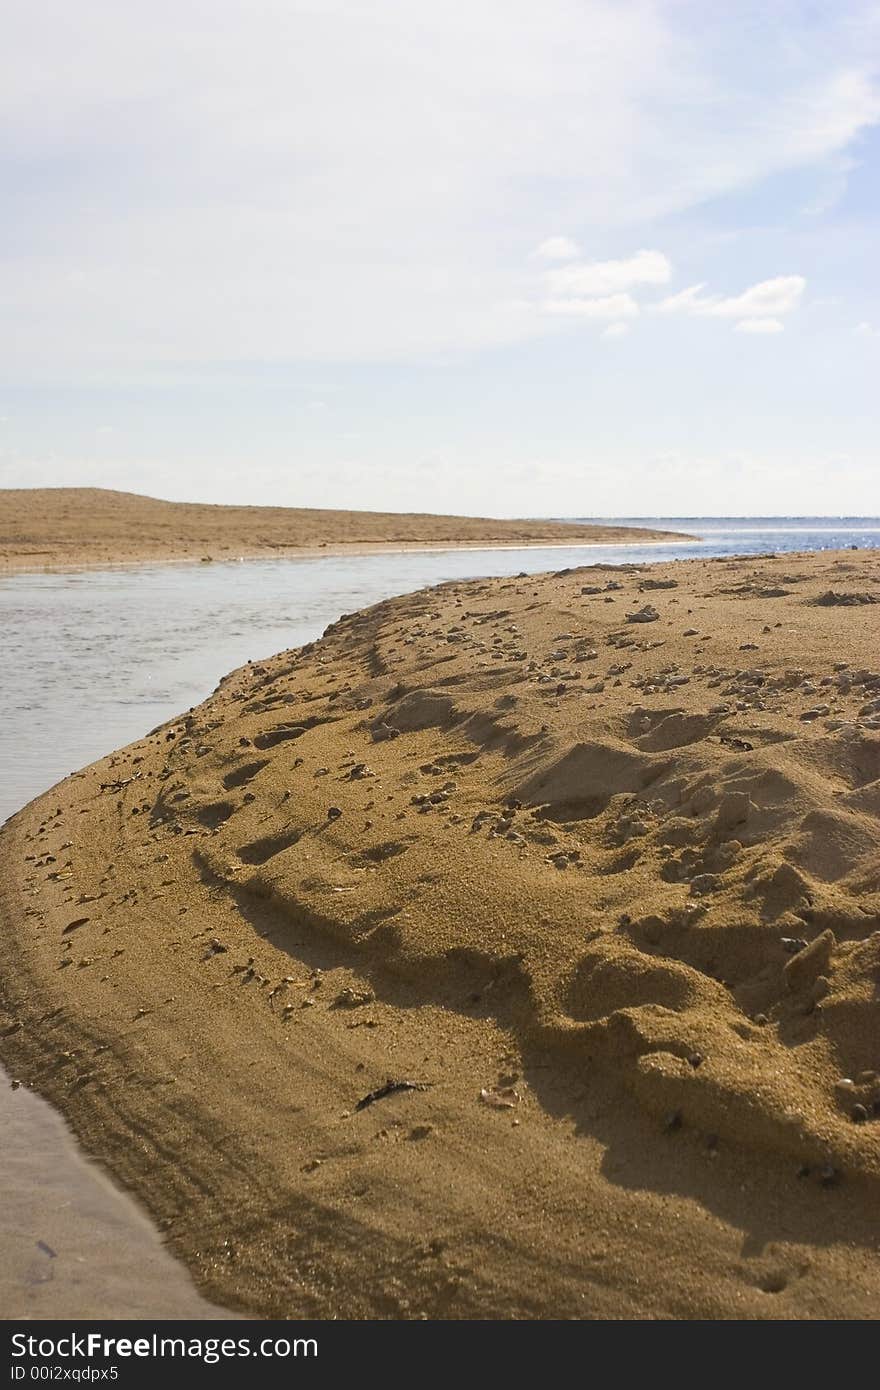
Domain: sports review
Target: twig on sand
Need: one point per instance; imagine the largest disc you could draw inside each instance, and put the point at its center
(389, 1089)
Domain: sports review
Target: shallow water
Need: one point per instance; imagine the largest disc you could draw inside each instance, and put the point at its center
(90, 662)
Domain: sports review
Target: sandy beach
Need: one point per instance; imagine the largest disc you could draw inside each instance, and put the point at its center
(512, 951)
(77, 528)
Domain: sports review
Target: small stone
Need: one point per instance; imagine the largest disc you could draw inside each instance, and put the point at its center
(704, 883)
(349, 998)
(859, 1114)
(648, 614)
(793, 944)
(505, 1098)
(810, 714)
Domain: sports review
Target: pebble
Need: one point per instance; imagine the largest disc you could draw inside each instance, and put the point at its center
(349, 998)
(792, 944)
(816, 713)
(503, 1099)
(648, 614)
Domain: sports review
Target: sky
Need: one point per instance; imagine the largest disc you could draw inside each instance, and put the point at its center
(568, 258)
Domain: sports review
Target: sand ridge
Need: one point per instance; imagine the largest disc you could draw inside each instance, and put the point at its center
(69, 528)
(589, 860)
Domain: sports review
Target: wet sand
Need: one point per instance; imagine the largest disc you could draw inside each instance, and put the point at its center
(74, 1246)
(77, 528)
(588, 861)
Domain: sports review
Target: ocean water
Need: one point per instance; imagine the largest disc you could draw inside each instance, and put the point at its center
(753, 535)
(91, 660)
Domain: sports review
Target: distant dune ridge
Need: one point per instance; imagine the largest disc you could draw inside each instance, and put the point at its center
(56, 528)
(511, 951)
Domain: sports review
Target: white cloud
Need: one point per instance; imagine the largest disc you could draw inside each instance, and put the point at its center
(584, 291)
(615, 330)
(687, 301)
(769, 299)
(591, 278)
(600, 289)
(612, 306)
(557, 248)
(765, 300)
(759, 326)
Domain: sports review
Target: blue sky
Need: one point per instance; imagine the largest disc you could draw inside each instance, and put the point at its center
(574, 258)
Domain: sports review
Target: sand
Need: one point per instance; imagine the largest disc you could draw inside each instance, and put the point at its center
(72, 528)
(603, 892)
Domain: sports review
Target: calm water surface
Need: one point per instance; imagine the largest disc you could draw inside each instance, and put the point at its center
(91, 661)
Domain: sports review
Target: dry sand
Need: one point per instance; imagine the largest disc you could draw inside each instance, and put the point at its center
(69, 528)
(606, 890)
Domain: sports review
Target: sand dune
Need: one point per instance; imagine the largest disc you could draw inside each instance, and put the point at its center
(588, 860)
(58, 528)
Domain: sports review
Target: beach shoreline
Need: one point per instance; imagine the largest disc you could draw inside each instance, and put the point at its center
(55, 530)
(210, 974)
(10, 567)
